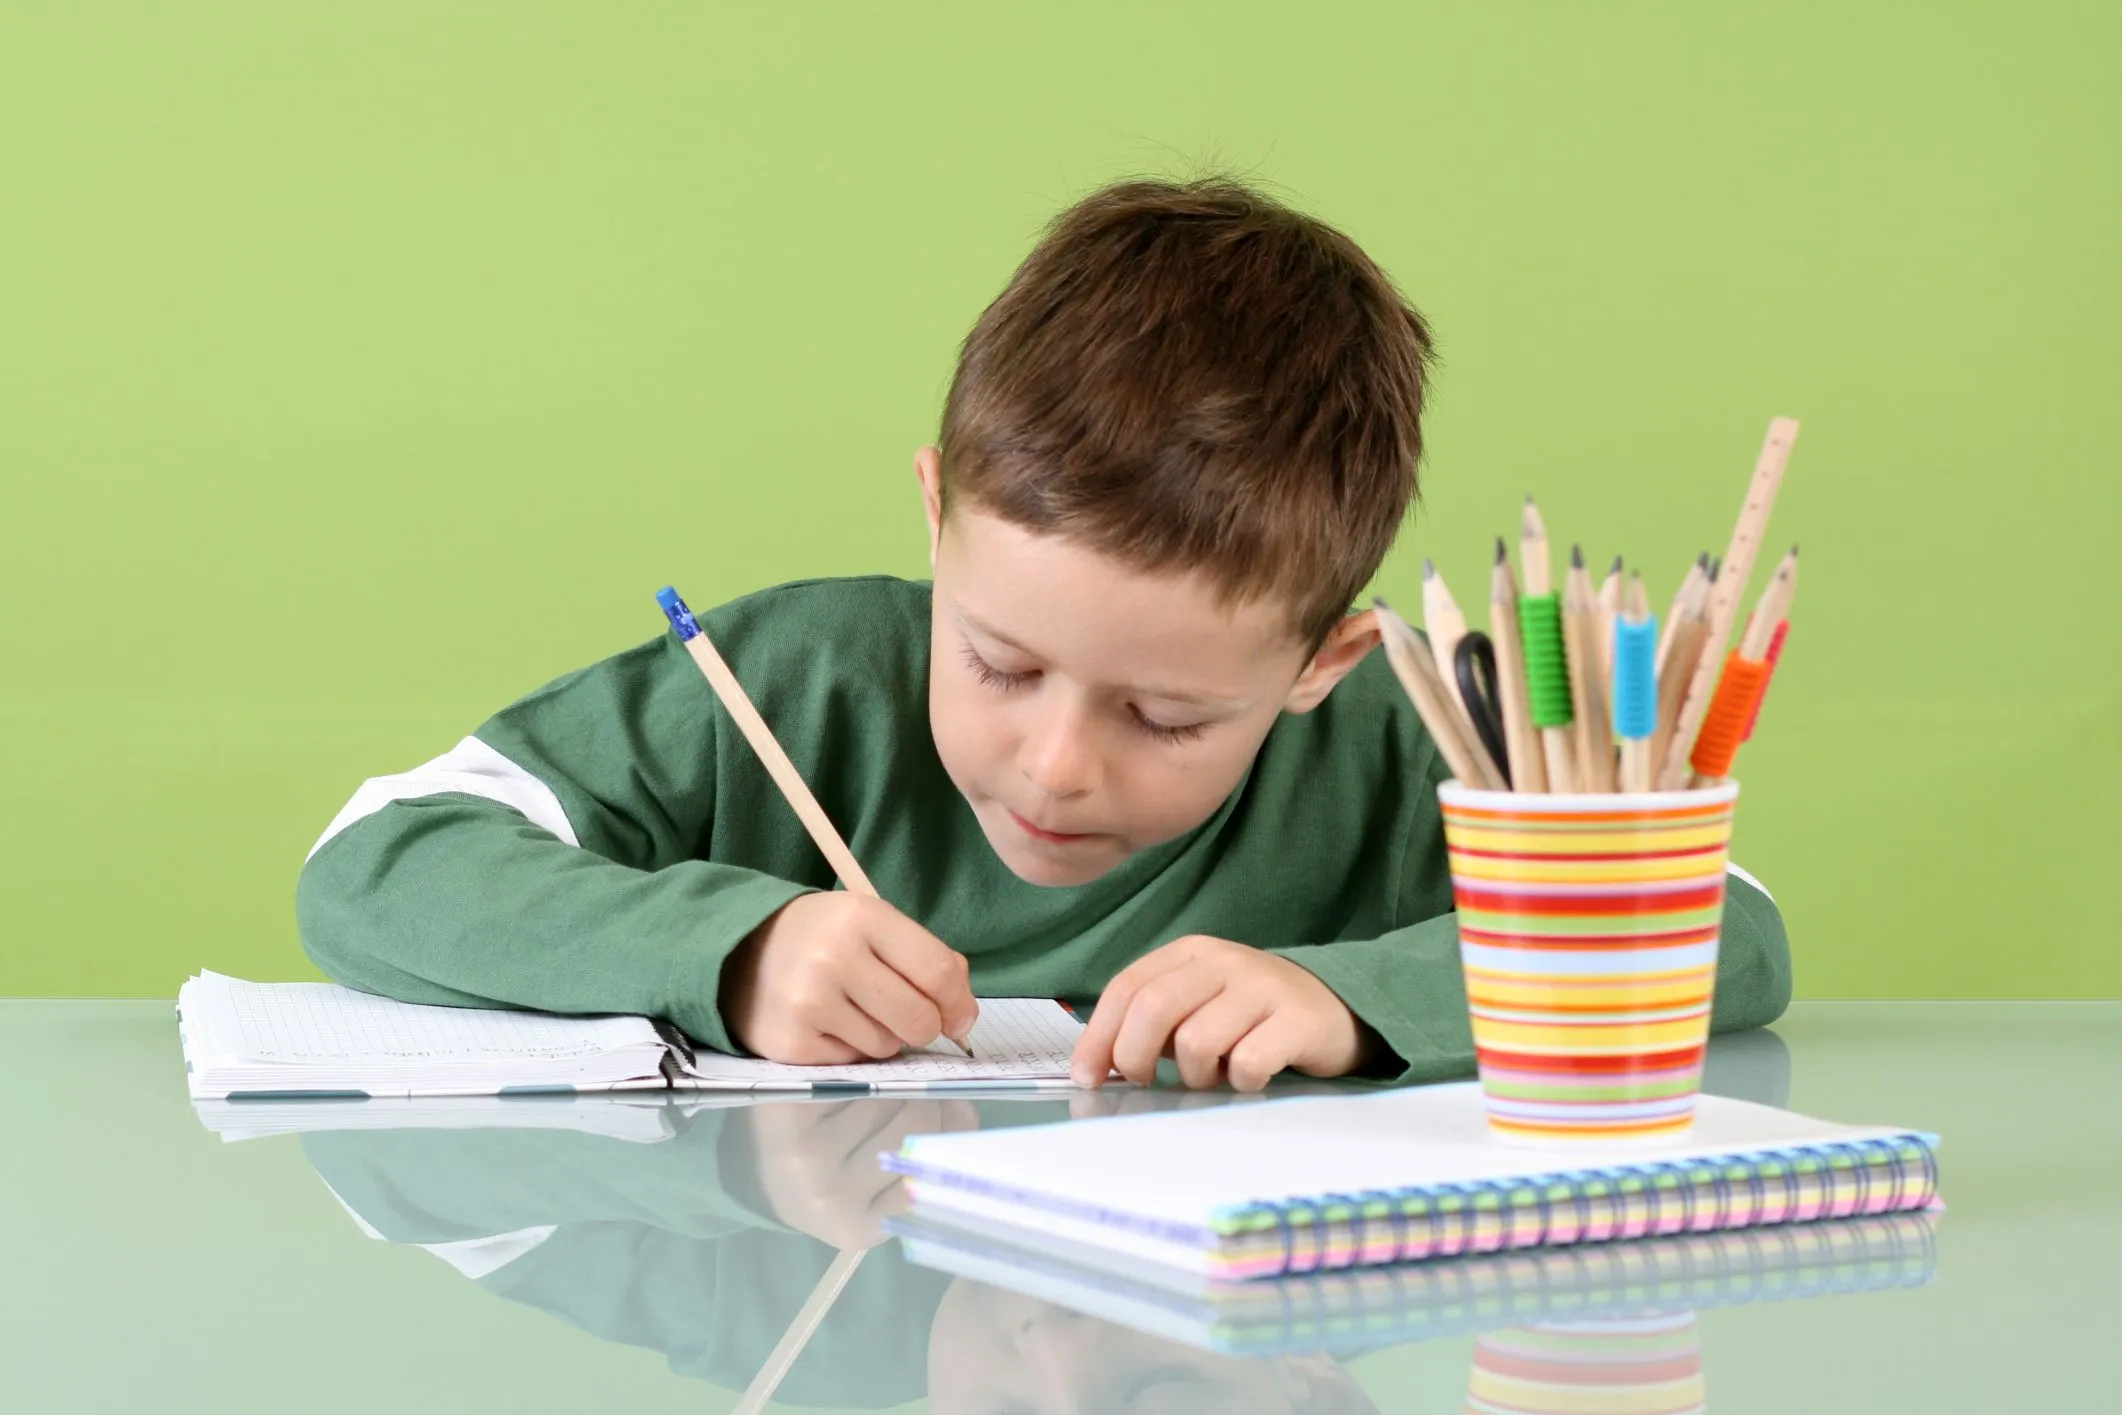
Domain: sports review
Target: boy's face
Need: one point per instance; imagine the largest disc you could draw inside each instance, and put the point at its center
(1088, 711)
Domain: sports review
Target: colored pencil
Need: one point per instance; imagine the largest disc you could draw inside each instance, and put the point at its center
(1540, 580)
(1773, 608)
(1580, 631)
(1697, 575)
(1676, 667)
(1635, 751)
(1528, 771)
(1441, 620)
(1609, 607)
(1733, 572)
(823, 833)
(1434, 702)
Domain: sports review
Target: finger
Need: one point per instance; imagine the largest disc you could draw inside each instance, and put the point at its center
(881, 991)
(936, 970)
(1092, 1061)
(1204, 1039)
(851, 1026)
(1264, 1051)
(1154, 1013)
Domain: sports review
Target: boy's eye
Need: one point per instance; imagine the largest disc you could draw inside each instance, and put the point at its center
(991, 676)
(1162, 733)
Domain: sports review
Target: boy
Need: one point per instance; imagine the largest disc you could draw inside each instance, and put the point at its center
(1129, 745)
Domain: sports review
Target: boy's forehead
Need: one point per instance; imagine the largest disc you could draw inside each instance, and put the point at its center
(1066, 602)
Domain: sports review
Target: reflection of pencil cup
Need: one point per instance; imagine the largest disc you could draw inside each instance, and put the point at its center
(1648, 1365)
(1588, 931)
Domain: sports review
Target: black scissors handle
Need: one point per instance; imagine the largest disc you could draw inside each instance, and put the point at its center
(1474, 665)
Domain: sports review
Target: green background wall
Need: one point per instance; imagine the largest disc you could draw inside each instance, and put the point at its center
(362, 367)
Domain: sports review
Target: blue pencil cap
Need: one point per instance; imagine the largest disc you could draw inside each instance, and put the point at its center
(681, 618)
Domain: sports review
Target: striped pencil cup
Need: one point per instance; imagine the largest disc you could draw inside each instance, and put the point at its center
(1588, 932)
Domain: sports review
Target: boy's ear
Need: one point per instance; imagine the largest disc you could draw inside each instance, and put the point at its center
(928, 467)
(1346, 644)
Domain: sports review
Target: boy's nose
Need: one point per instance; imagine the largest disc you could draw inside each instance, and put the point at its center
(1058, 755)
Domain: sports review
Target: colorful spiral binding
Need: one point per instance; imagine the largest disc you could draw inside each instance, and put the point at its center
(1653, 1199)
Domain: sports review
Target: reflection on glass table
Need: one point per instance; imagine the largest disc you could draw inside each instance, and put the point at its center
(699, 1228)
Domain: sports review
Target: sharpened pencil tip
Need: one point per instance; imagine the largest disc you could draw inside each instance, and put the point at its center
(1794, 550)
(1576, 557)
(1616, 569)
(1702, 562)
(1501, 554)
(1429, 568)
(1716, 568)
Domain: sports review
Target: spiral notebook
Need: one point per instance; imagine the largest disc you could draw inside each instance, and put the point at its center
(1301, 1185)
(247, 1041)
(1360, 1308)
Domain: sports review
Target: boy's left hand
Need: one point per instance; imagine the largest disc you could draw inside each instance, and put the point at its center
(1222, 1010)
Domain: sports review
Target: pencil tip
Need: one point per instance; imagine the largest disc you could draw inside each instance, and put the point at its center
(1429, 568)
(1616, 566)
(1702, 562)
(1794, 550)
(1576, 557)
(1501, 554)
(1716, 567)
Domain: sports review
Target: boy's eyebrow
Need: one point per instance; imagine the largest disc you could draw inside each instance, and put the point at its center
(1199, 700)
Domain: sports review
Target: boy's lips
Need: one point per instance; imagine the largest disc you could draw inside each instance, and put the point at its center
(1040, 832)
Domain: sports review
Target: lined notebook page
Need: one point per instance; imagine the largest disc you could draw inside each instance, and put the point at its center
(1017, 1039)
(311, 1023)
(1182, 1168)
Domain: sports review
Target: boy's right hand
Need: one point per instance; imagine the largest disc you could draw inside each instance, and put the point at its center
(835, 978)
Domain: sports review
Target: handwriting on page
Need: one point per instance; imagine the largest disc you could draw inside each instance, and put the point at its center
(1015, 1039)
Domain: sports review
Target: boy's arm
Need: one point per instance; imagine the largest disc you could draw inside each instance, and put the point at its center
(1406, 984)
(549, 861)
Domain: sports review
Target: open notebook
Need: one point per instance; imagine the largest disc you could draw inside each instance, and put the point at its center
(1349, 1181)
(1359, 1308)
(252, 1041)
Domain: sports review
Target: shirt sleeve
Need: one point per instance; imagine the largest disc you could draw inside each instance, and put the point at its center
(1406, 984)
(548, 861)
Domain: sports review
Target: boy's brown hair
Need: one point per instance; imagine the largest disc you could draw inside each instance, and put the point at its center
(1191, 376)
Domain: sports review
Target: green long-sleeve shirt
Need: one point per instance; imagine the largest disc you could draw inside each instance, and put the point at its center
(605, 843)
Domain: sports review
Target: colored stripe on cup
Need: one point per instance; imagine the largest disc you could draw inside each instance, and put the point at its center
(1588, 930)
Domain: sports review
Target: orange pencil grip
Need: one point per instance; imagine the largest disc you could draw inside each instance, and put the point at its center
(1724, 728)
(1775, 656)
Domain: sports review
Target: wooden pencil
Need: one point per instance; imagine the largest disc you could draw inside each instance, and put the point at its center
(1697, 578)
(1772, 609)
(1769, 611)
(1528, 770)
(1540, 580)
(1676, 667)
(823, 833)
(1442, 621)
(1434, 703)
(1635, 751)
(1609, 607)
(1732, 574)
(1593, 728)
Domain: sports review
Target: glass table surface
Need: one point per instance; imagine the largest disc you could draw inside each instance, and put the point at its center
(641, 1254)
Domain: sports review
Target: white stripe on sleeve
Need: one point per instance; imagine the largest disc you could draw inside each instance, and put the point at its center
(1742, 874)
(472, 768)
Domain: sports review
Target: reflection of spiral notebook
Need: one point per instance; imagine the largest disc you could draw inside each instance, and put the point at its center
(1368, 1307)
(1345, 1181)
